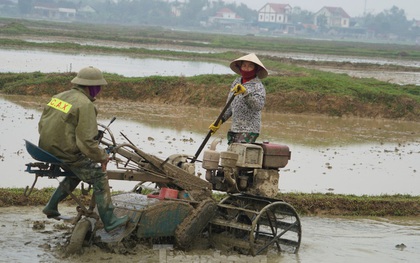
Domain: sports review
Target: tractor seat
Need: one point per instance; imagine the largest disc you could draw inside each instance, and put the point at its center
(40, 154)
(51, 165)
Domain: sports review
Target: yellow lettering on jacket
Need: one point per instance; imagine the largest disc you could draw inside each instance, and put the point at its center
(59, 105)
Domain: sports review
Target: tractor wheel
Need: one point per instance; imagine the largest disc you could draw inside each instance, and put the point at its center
(78, 236)
(194, 223)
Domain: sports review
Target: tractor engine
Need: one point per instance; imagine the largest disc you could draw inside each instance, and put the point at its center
(246, 167)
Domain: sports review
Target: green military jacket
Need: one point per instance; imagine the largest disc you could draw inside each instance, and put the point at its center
(68, 126)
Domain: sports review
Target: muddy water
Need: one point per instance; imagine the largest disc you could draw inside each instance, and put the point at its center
(353, 156)
(30, 61)
(401, 78)
(350, 156)
(26, 236)
(339, 155)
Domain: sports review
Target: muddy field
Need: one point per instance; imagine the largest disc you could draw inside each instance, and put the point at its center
(26, 236)
(329, 155)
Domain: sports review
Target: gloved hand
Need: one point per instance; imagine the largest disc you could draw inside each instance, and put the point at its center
(238, 89)
(214, 127)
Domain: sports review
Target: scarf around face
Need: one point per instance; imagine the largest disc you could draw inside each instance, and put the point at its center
(94, 90)
(248, 75)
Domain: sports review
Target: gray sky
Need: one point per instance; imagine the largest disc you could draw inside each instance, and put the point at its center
(353, 8)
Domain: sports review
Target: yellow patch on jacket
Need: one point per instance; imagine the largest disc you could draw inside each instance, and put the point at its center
(59, 105)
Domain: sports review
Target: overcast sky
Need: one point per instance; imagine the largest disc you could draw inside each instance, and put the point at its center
(352, 7)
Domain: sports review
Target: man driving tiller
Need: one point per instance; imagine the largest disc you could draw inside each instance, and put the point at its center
(68, 130)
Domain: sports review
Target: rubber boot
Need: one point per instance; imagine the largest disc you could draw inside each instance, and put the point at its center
(51, 209)
(106, 208)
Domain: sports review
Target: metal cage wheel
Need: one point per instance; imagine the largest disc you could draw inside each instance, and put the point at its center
(254, 225)
(276, 226)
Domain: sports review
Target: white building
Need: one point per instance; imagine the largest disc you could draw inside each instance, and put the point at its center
(274, 13)
(335, 17)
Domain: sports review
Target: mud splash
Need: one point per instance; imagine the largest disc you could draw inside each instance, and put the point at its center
(26, 236)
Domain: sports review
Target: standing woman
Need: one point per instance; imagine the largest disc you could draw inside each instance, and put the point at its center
(248, 103)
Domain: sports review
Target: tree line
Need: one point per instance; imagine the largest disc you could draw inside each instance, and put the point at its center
(195, 13)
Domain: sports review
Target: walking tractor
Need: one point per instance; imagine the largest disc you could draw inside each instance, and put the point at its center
(181, 208)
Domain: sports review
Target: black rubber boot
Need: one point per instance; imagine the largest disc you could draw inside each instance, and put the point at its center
(106, 208)
(51, 209)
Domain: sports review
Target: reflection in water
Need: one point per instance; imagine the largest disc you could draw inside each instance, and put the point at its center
(353, 156)
(42, 61)
(326, 131)
(400, 78)
(339, 155)
(351, 59)
(357, 240)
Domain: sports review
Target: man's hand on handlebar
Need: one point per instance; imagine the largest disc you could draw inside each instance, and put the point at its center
(99, 136)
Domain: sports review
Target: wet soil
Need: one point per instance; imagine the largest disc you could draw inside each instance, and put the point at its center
(186, 93)
(27, 236)
(329, 155)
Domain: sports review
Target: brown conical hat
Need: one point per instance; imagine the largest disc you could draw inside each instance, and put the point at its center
(235, 65)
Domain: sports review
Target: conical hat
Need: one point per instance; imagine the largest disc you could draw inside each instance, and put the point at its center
(235, 65)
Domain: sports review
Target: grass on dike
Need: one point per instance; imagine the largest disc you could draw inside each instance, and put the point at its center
(308, 204)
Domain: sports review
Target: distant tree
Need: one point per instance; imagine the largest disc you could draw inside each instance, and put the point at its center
(322, 23)
(133, 12)
(392, 21)
(67, 4)
(46, 2)
(192, 10)
(414, 30)
(25, 6)
(245, 12)
(301, 16)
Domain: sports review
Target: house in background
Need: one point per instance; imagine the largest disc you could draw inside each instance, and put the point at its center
(85, 12)
(226, 17)
(416, 24)
(275, 18)
(332, 17)
(274, 13)
(53, 11)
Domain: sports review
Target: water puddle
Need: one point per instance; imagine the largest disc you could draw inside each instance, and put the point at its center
(32, 60)
(18, 61)
(350, 156)
(400, 78)
(339, 155)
